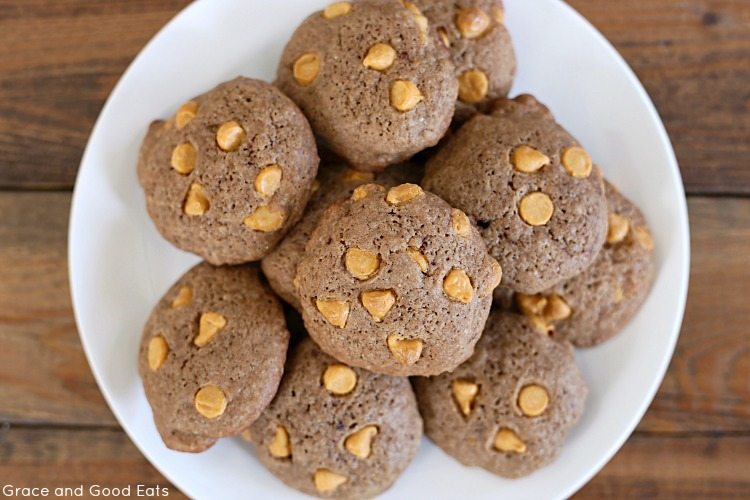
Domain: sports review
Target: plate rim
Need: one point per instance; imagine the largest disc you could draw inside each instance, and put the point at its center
(684, 247)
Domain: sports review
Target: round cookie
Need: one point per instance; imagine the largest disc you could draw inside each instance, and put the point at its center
(507, 409)
(533, 191)
(337, 432)
(212, 355)
(230, 172)
(372, 78)
(396, 282)
(480, 47)
(335, 182)
(596, 304)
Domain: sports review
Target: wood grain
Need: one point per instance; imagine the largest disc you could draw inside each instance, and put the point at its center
(60, 59)
(44, 457)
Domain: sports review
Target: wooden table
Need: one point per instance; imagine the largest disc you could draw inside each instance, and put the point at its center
(60, 59)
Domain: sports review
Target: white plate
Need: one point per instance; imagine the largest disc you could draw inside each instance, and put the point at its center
(119, 266)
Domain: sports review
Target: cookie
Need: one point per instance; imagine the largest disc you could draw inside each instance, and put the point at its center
(372, 78)
(230, 172)
(480, 46)
(212, 355)
(396, 281)
(336, 181)
(509, 408)
(337, 432)
(596, 304)
(530, 187)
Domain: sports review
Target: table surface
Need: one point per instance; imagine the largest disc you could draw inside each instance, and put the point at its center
(60, 59)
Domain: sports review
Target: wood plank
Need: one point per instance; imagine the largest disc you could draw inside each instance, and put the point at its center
(44, 376)
(694, 59)
(659, 466)
(58, 62)
(60, 59)
(39, 457)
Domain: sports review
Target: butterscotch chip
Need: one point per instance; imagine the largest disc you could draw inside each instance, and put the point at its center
(196, 202)
(157, 352)
(327, 481)
(247, 436)
(185, 114)
(184, 157)
(577, 162)
(557, 309)
(643, 237)
(472, 22)
(541, 325)
(533, 400)
(230, 136)
(306, 69)
(380, 57)
(210, 401)
(457, 286)
(527, 159)
(335, 312)
(405, 95)
(361, 264)
(378, 303)
(472, 86)
(508, 441)
(359, 443)
(461, 224)
(266, 219)
(403, 193)
(183, 298)
(362, 192)
(209, 325)
(418, 258)
(419, 19)
(280, 446)
(464, 392)
(268, 180)
(536, 208)
(339, 379)
(619, 294)
(357, 176)
(443, 34)
(531, 305)
(337, 9)
(498, 14)
(618, 228)
(497, 274)
(406, 351)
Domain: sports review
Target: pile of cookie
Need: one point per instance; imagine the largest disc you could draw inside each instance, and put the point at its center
(422, 224)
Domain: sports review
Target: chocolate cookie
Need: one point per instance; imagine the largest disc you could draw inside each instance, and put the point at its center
(335, 431)
(230, 173)
(335, 182)
(480, 47)
(396, 282)
(375, 83)
(596, 304)
(507, 409)
(212, 355)
(531, 188)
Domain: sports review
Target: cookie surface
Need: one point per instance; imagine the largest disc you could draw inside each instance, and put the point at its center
(212, 355)
(230, 172)
(335, 182)
(373, 80)
(481, 49)
(532, 190)
(507, 409)
(335, 431)
(596, 304)
(396, 282)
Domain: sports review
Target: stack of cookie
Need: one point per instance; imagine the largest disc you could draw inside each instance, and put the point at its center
(394, 265)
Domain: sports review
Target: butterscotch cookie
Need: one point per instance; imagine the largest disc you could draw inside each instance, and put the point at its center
(335, 431)
(507, 409)
(372, 78)
(530, 187)
(336, 181)
(230, 172)
(596, 304)
(396, 281)
(212, 355)
(480, 47)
